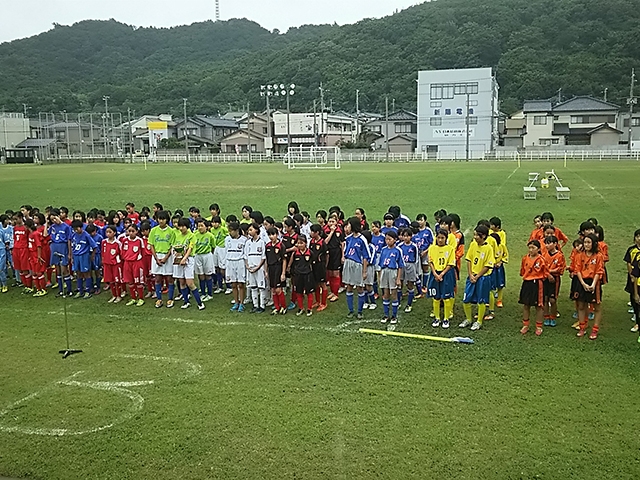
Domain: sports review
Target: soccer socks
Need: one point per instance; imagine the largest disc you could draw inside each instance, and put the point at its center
(196, 295)
(385, 307)
(255, 298)
(394, 308)
(309, 301)
(448, 308)
(67, 282)
(410, 294)
(372, 298)
(323, 297)
(467, 311)
(283, 300)
(98, 285)
(88, 285)
(350, 301)
(185, 294)
(158, 288)
(482, 308)
(300, 300)
(500, 294)
(209, 285)
(334, 283)
(115, 289)
(492, 302)
(203, 286)
(133, 291)
(436, 309)
(361, 298)
(170, 291)
(399, 294)
(79, 283)
(60, 284)
(317, 294)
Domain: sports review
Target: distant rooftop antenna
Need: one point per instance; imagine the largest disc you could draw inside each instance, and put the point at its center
(217, 10)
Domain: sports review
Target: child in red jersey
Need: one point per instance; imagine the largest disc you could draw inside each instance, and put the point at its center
(589, 270)
(133, 274)
(300, 265)
(289, 240)
(49, 274)
(20, 252)
(533, 271)
(132, 214)
(276, 268)
(36, 259)
(149, 280)
(334, 242)
(319, 266)
(112, 263)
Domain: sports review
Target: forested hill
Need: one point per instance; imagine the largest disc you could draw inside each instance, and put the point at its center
(536, 47)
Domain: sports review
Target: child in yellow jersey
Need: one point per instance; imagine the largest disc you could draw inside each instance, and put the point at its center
(480, 260)
(491, 241)
(442, 281)
(501, 278)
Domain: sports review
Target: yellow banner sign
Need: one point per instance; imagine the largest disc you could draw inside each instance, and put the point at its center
(157, 125)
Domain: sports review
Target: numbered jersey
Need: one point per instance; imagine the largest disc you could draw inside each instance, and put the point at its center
(111, 252)
(132, 249)
(441, 257)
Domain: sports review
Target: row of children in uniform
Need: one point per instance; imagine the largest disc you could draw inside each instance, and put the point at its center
(260, 253)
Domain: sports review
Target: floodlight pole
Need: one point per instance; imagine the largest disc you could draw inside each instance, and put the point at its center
(249, 132)
(106, 123)
(288, 123)
(631, 101)
(466, 122)
(186, 136)
(386, 126)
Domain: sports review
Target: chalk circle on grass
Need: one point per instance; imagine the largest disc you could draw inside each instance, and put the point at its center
(90, 406)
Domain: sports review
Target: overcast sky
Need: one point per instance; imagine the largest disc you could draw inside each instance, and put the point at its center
(24, 18)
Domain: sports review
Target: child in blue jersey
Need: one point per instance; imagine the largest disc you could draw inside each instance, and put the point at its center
(96, 265)
(411, 258)
(388, 224)
(377, 238)
(370, 299)
(391, 264)
(60, 235)
(83, 247)
(424, 239)
(356, 258)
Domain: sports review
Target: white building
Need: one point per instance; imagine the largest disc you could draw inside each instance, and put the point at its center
(325, 129)
(443, 112)
(14, 128)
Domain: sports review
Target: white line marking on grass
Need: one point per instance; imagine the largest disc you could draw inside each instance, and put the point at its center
(468, 230)
(592, 188)
(193, 368)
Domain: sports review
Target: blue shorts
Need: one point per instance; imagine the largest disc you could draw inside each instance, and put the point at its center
(500, 277)
(59, 254)
(444, 289)
(97, 262)
(477, 293)
(82, 263)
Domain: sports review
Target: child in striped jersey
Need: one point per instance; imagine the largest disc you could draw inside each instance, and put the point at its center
(391, 264)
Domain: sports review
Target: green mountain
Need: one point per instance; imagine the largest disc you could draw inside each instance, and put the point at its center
(535, 46)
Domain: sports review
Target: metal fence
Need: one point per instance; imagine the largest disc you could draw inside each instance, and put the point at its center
(345, 156)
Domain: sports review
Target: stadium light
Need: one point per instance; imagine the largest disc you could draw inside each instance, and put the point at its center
(279, 90)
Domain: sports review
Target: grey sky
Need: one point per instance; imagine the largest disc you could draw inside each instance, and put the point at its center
(24, 18)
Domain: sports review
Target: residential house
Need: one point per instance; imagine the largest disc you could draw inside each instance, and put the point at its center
(320, 128)
(402, 130)
(582, 120)
(623, 124)
(252, 130)
(204, 131)
(14, 128)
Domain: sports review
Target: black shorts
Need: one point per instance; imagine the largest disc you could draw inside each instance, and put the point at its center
(275, 272)
(552, 290)
(581, 295)
(532, 293)
(304, 284)
(335, 259)
(319, 273)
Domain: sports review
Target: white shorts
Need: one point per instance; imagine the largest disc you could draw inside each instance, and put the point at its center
(185, 271)
(165, 269)
(220, 258)
(388, 279)
(352, 273)
(258, 279)
(236, 272)
(204, 264)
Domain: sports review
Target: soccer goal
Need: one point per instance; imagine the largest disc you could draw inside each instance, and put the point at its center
(312, 157)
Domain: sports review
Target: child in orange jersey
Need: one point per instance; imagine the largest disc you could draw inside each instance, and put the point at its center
(556, 263)
(533, 271)
(589, 270)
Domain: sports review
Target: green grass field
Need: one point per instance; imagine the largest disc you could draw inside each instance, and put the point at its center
(187, 394)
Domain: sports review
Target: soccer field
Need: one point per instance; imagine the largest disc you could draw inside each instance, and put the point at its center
(215, 394)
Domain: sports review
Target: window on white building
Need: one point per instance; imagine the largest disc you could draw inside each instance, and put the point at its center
(540, 120)
(435, 121)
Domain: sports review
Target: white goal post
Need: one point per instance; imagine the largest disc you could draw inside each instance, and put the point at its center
(312, 157)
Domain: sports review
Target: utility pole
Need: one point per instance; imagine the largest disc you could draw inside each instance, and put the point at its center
(321, 98)
(186, 135)
(268, 150)
(130, 133)
(559, 95)
(357, 115)
(605, 94)
(106, 123)
(631, 101)
(393, 105)
(248, 132)
(386, 126)
(466, 122)
(315, 124)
